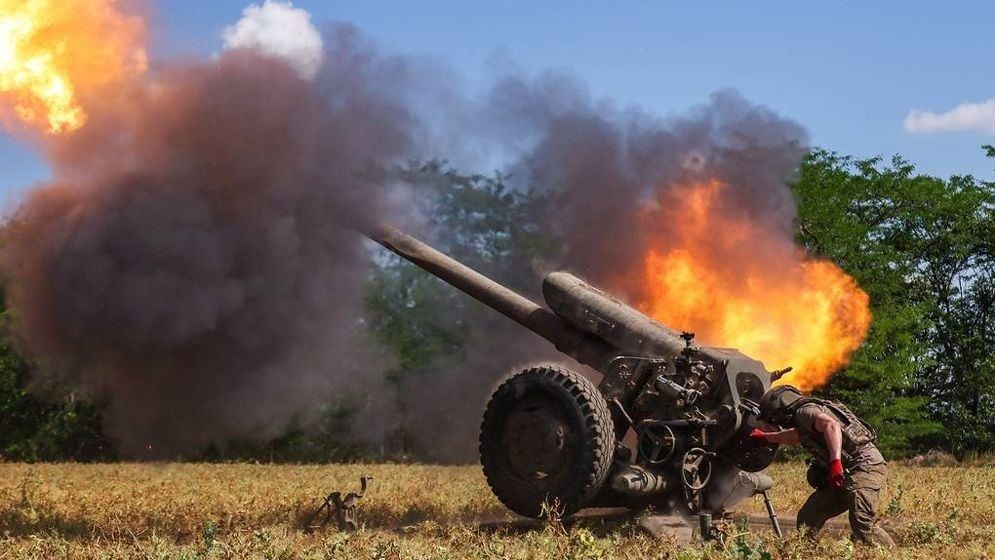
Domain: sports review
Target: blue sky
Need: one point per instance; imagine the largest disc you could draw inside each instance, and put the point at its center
(850, 73)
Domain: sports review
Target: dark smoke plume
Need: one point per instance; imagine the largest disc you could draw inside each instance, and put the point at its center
(604, 168)
(193, 263)
(609, 166)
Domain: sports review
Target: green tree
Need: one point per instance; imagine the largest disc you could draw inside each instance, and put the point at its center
(921, 248)
(57, 426)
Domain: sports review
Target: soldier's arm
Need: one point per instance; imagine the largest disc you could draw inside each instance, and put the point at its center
(832, 433)
(787, 437)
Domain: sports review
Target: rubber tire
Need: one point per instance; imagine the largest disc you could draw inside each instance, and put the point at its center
(587, 415)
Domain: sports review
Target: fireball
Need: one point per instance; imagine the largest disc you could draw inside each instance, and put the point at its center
(55, 55)
(739, 282)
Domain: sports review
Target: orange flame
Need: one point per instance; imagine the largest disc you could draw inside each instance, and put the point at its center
(741, 284)
(56, 53)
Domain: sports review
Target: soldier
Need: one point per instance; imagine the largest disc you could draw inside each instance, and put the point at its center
(846, 469)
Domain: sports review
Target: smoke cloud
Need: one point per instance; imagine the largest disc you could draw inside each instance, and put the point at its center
(193, 264)
(607, 171)
(612, 169)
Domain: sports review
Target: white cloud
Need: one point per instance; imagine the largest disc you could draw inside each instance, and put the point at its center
(966, 117)
(278, 29)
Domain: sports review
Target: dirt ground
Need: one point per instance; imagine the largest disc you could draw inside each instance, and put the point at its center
(238, 511)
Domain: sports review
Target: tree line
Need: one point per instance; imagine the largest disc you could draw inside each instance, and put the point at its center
(922, 247)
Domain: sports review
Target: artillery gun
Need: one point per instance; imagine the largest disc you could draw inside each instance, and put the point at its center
(552, 438)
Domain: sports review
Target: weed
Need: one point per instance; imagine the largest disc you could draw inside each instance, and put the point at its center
(552, 513)
(895, 505)
(745, 548)
(925, 532)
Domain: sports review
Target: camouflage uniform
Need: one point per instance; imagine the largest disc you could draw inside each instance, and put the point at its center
(865, 471)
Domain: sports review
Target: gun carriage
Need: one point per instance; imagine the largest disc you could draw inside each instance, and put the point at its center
(550, 437)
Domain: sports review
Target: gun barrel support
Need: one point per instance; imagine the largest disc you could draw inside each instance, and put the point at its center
(772, 514)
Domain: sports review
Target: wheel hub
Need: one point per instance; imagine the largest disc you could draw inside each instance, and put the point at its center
(536, 440)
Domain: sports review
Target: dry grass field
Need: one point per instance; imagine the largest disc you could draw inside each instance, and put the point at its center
(241, 511)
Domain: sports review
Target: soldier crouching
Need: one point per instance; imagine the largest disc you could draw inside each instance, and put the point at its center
(846, 468)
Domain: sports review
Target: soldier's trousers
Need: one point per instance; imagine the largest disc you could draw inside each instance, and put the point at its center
(860, 496)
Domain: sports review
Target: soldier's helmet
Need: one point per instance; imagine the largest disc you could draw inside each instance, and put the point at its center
(775, 405)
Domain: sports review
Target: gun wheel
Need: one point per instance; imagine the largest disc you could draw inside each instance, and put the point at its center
(546, 441)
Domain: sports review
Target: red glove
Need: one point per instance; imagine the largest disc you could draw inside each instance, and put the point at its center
(836, 478)
(758, 435)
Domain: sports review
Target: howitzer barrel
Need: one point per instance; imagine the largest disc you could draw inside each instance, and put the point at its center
(600, 314)
(582, 321)
(570, 340)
